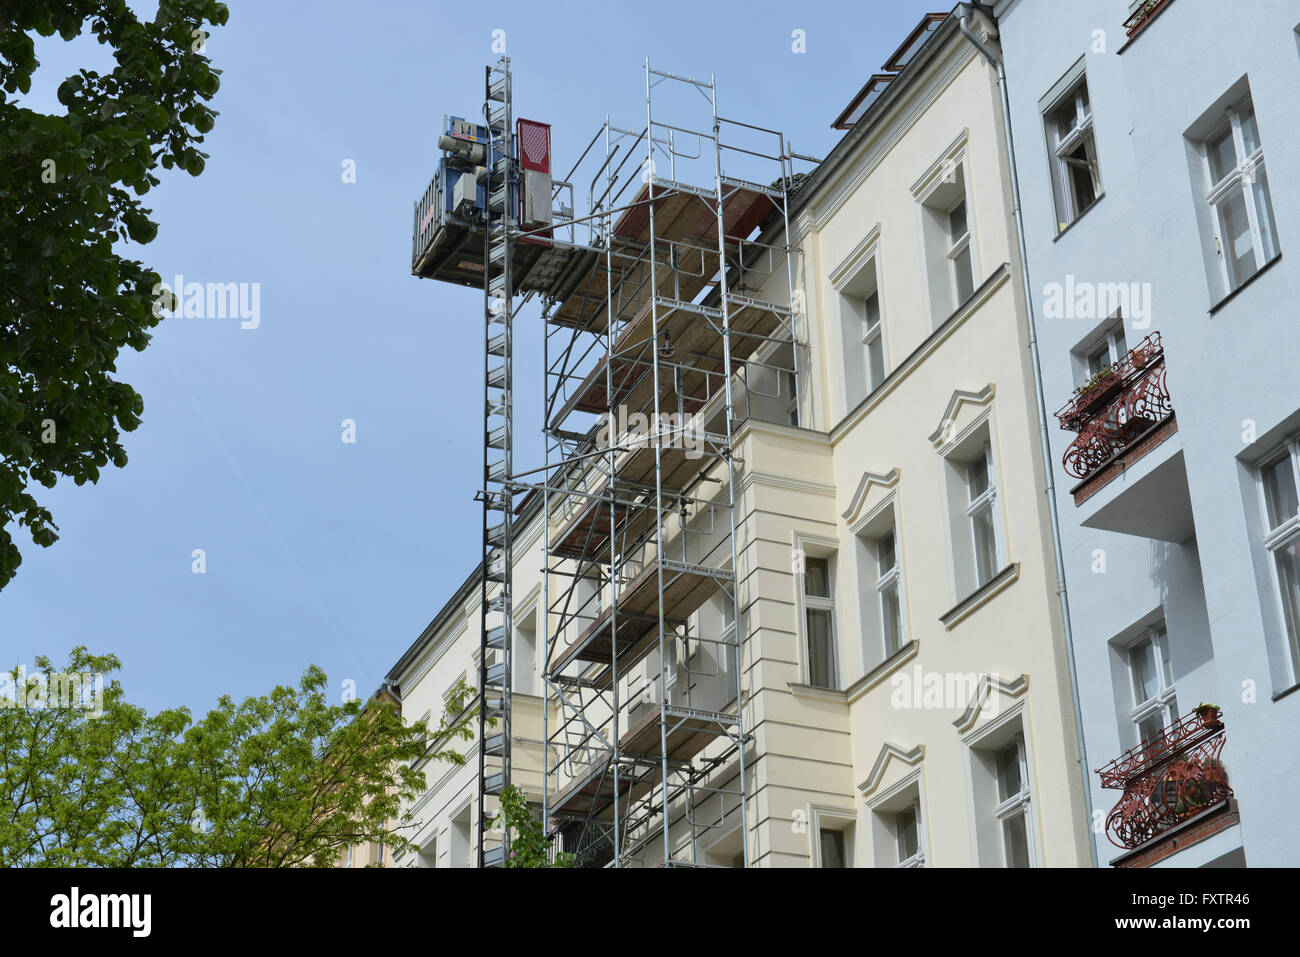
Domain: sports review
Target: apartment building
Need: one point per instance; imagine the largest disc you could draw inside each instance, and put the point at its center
(1159, 173)
(941, 669)
(810, 618)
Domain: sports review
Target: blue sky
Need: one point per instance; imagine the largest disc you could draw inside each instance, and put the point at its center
(319, 551)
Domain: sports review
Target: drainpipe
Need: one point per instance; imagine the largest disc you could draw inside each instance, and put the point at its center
(1061, 592)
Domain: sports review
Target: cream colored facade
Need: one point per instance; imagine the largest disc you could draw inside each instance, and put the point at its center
(951, 743)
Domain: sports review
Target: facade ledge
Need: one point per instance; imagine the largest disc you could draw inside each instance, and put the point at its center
(921, 353)
(1242, 288)
(883, 670)
(800, 690)
(981, 596)
(1069, 226)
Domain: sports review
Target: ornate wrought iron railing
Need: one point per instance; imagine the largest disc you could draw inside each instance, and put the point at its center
(1116, 407)
(1168, 778)
(1142, 15)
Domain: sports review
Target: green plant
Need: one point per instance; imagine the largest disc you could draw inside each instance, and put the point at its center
(1206, 706)
(286, 779)
(529, 845)
(72, 182)
(1100, 378)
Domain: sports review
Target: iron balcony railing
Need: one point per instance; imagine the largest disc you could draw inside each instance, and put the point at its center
(1116, 407)
(1168, 778)
(1142, 14)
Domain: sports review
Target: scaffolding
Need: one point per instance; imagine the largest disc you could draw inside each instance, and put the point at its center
(655, 346)
(647, 764)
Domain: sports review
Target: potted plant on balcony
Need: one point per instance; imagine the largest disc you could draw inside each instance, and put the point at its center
(1096, 391)
(1208, 714)
(1213, 771)
(1139, 357)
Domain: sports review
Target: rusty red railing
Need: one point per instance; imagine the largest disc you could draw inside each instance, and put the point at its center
(1143, 14)
(1116, 407)
(1168, 778)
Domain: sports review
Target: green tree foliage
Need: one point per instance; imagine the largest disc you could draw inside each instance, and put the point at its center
(70, 188)
(529, 845)
(286, 779)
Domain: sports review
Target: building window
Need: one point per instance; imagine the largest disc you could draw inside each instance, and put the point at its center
(948, 227)
(1107, 351)
(1155, 705)
(1236, 189)
(1012, 810)
(832, 847)
(907, 835)
(790, 393)
(897, 825)
(1279, 479)
(819, 622)
(982, 514)
(888, 581)
(873, 341)
(525, 653)
(959, 252)
(1076, 177)
(863, 339)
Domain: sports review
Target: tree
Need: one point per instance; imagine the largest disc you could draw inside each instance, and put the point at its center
(529, 845)
(286, 779)
(69, 196)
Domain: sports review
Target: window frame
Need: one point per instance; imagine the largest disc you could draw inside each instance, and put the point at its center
(1017, 804)
(874, 333)
(1241, 179)
(1165, 700)
(818, 603)
(890, 579)
(790, 381)
(960, 244)
(1060, 147)
(1278, 537)
(1116, 343)
(918, 858)
(986, 501)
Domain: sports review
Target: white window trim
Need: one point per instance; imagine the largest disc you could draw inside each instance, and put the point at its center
(1060, 146)
(871, 333)
(1116, 347)
(960, 244)
(1165, 695)
(922, 856)
(1017, 714)
(1279, 537)
(820, 548)
(923, 192)
(891, 578)
(918, 859)
(986, 501)
(826, 817)
(1240, 178)
(1020, 803)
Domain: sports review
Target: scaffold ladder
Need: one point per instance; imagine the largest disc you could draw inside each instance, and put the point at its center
(498, 492)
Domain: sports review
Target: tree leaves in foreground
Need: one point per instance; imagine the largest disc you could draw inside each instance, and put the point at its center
(69, 194)
(529, 845)
(285, 779)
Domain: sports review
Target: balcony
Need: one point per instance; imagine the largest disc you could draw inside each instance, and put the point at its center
(1143, 14)
(1120, 414)
(1167, 780)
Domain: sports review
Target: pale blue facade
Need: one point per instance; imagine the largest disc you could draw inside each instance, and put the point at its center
(1176, 540)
